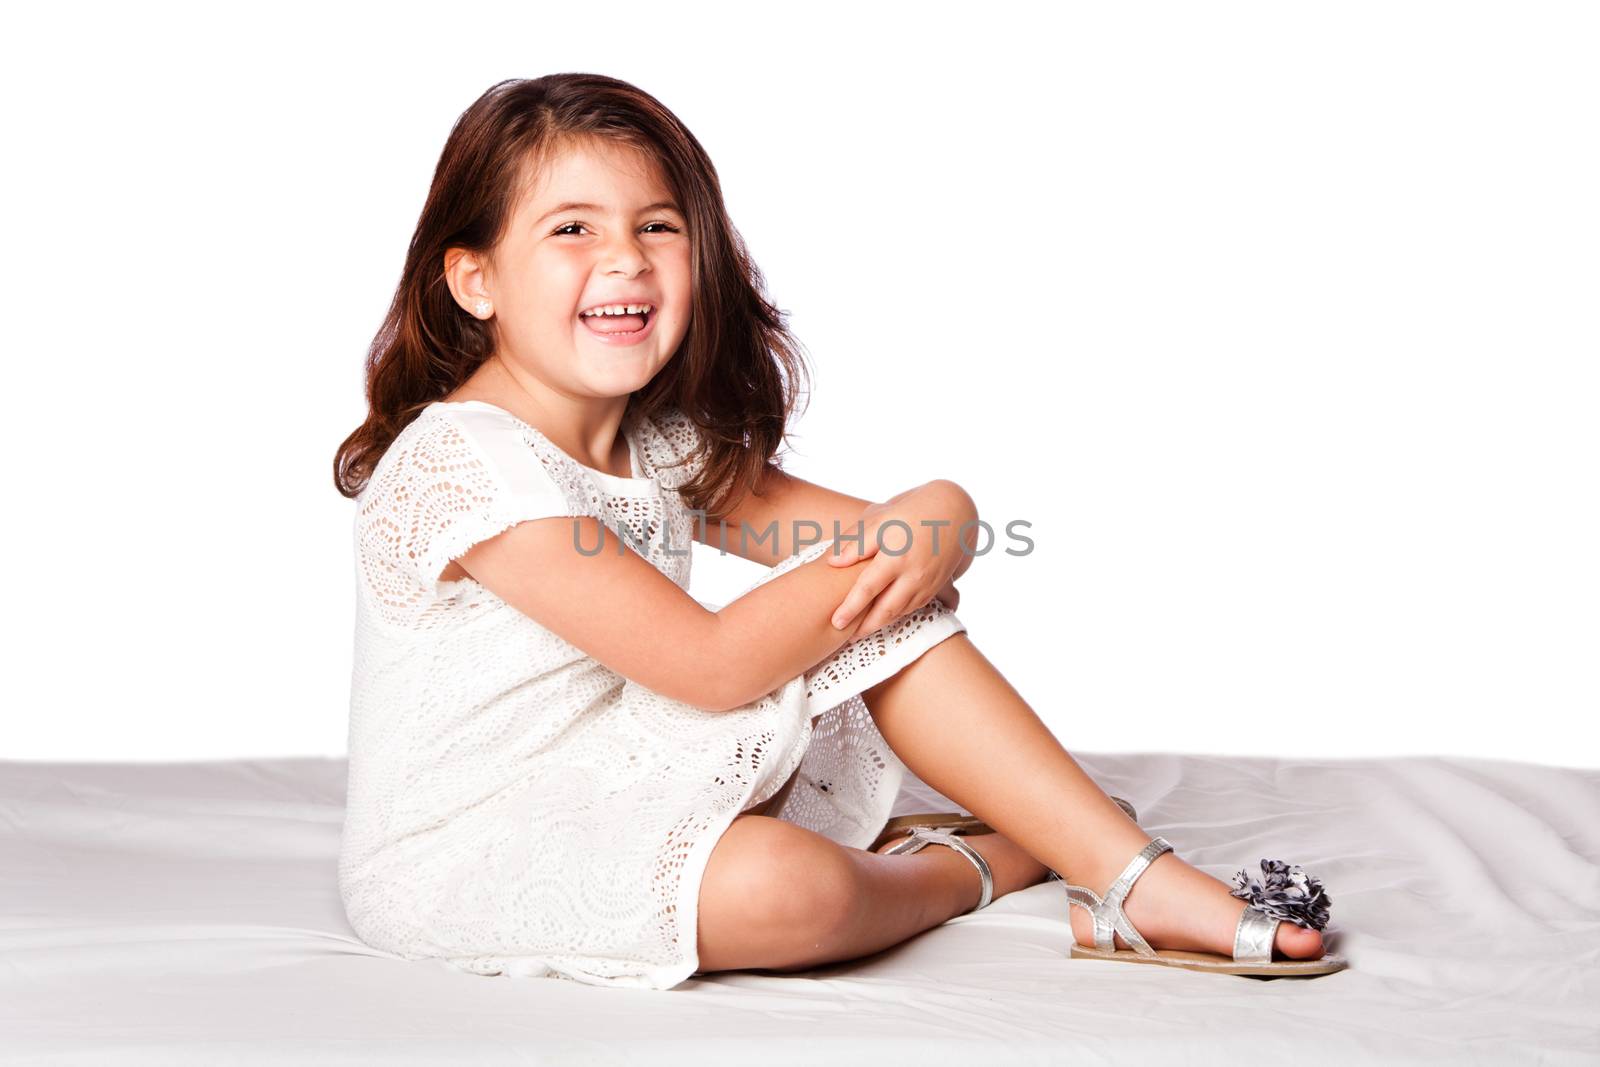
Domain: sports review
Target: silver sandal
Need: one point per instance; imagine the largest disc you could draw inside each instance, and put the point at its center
(951, 821)
(921, 836)
(1287, 894)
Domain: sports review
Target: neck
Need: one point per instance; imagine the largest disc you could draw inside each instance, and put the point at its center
(589, 429)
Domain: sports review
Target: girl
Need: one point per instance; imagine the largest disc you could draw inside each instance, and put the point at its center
(560, 762)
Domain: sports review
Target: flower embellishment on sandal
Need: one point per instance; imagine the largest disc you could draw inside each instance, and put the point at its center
(1286, 892)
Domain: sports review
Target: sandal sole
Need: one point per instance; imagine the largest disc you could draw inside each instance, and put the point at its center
(1215, 964)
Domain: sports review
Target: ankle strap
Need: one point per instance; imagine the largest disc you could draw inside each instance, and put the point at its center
(914, 841)
(1136, 866)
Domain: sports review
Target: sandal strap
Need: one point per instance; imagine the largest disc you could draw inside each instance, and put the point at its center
(1111, 907)
(914, 841)
(1252, 939)
(1109, 918)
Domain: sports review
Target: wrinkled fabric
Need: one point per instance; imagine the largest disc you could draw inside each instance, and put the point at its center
(182, 914)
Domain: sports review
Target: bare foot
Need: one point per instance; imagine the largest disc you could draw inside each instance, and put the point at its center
(1012, 868)
(1175, 906)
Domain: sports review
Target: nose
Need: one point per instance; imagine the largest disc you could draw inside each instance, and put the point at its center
(623, 255)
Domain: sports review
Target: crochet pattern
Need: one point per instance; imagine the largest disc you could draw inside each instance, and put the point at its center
(516, 807)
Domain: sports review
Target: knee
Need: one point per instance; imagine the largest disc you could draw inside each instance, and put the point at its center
(796, 879)
(780, 886)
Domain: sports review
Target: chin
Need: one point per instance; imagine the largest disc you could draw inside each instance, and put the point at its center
(619, 381)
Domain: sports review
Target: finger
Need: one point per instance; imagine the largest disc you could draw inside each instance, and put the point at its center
(874, 579)
(860, 595)
(872, 620)
(848, 552)
(851, 551)
(919, 597)
(869, 622)
(889, 606)
(878, 618)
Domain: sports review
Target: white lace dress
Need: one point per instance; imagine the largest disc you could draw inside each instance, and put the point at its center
(514, 806)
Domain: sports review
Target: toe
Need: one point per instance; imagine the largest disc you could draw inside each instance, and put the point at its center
(1297, 942)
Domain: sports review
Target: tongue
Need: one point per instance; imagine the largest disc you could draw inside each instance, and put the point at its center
(614, 323)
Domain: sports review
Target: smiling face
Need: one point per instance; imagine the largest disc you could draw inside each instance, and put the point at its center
(597, 226)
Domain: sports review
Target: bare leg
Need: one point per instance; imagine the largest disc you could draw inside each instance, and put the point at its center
(959, 725)
(779, 897)
(776, 896)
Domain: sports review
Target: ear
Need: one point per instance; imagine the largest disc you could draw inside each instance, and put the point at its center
(464, 273)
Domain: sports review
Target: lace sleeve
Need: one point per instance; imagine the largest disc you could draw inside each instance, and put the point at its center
(458, 479)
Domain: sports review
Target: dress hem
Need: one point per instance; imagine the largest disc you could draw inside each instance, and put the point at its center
(886, 666)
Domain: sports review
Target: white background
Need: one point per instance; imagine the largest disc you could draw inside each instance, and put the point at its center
(1277, 322)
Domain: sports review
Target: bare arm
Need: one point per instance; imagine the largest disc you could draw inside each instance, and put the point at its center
(784, 500)
(629, 616)
(784, 626)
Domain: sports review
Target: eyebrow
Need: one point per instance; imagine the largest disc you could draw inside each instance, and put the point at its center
(573, 205)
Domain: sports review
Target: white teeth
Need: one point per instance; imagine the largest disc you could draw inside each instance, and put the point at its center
(617, 309)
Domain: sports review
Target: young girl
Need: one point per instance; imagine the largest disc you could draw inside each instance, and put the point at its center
(560, 762)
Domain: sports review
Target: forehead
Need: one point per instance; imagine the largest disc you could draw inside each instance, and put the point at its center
(615, 175)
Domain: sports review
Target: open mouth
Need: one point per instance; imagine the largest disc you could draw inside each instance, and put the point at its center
(614, 326)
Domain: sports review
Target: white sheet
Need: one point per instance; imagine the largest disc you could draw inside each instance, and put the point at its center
(188, 913)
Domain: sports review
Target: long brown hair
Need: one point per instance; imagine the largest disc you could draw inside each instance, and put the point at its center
(737, 374)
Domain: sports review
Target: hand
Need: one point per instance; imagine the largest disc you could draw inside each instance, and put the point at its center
(893, 585)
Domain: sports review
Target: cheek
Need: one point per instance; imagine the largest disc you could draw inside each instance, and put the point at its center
(681, 281)
(550, 287)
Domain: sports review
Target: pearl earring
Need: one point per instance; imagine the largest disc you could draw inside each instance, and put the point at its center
(481, 307)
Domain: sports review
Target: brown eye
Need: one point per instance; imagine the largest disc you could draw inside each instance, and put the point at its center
(563, 229)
